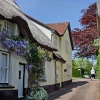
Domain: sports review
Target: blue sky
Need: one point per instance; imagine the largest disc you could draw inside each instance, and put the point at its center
(53, 11)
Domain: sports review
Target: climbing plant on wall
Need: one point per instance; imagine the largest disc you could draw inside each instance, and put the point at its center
(34, 55)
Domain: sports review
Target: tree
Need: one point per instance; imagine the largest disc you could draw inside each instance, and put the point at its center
(83, 38)
(81, 65)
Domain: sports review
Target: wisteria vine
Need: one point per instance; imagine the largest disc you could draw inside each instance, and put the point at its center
(20, 47)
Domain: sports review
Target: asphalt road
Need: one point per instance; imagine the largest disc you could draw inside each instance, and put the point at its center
(80, 89)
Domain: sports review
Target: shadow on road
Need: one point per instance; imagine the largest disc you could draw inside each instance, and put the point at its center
(68, 89)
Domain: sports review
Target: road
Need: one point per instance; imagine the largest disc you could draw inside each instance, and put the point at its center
(80, 89)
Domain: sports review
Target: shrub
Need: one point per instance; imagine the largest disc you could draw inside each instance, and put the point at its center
(37, 93)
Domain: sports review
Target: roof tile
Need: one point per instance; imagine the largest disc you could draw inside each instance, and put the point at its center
(59, 27)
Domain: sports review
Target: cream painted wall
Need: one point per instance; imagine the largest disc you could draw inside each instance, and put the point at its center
(66, 55)
(61, 45)
(49, 72)
(14, 65)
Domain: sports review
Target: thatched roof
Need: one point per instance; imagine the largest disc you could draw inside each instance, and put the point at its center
(57, 28)
(10, 10)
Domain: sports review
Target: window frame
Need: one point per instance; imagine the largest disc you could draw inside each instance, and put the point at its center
(67, 46)
(68, 71)
(55, 40)
(8, 27)
(4, 68)
(57, 73)
(43, 76)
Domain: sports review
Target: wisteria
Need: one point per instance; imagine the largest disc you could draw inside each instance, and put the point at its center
(20, 47)
(29, 67)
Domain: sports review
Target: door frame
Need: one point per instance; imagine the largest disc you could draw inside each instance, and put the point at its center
(23, 78)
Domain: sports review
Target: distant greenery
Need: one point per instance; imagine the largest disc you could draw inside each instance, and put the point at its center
(81, 67)
(97, 66)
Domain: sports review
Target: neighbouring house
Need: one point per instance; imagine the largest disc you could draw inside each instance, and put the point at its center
(63, 41)
(98, 16)
(13, 70)
(58, 71)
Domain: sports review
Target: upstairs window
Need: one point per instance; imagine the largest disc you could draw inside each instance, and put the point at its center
(67, 46)
(8, 27)
(55, 40)
(4, 67)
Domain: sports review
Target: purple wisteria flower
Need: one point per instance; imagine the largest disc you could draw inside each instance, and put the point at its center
(21, 47)
(29, 67)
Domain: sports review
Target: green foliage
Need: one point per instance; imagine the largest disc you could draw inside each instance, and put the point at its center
(81, 63)
(37, 59)
(96, 42)
(76, 72)
(97, 66)
(37, 93)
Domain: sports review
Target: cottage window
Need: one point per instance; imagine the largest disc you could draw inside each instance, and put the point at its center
(57, 71)
(8, 27)
(55, 40)
(67, 46)
(68, 71)
(4, 67)
(43, 76)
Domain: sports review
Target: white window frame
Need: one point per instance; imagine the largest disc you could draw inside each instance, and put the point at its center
(57, 73)
(55, 40)
(67, 46)
(43, 76)
(68, 70)
(8, 27)
(4, 68)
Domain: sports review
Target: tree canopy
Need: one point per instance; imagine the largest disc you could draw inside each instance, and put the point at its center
(83, 37)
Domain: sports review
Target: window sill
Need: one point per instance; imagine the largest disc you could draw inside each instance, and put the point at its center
(43, 80)
(6, 86)
(68, 75)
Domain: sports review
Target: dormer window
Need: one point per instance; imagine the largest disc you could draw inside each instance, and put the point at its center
(8, 27)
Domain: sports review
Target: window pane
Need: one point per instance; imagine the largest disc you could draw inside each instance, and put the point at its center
(43, 76)
(67, 46)
(4, 60)
(4, 76)
(8, 27)
(3, 68)
(57, 73)
(55, 40)
(68, 70)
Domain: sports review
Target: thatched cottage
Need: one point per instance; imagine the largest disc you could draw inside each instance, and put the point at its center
(59, 70)
(13, 71)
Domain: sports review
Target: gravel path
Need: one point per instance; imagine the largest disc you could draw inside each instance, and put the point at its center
(80, 89)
